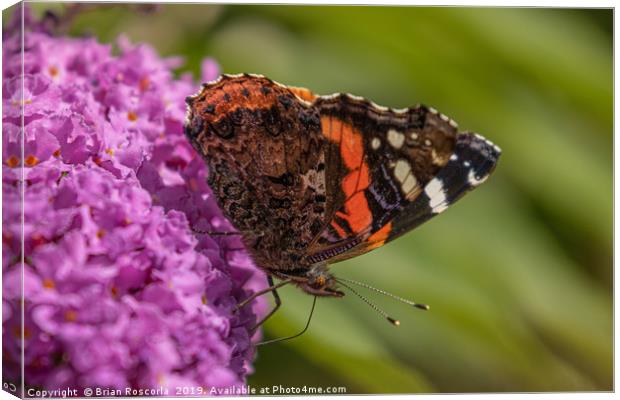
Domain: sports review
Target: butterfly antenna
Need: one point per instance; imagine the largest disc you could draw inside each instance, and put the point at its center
(393, 321)
(383, 292)
(296, 335)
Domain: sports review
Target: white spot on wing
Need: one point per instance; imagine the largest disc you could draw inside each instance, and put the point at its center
(375, 143)
(404, 175)
(437, 196)
(401, 170)
(409, 184)
(473, 181)
(439, 208)
(454, 157)
(395, 138)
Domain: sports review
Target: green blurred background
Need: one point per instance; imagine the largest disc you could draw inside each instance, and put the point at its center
(519, 273)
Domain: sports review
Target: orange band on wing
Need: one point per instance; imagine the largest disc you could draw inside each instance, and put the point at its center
(356, 210)
(378, 238)
(357, 213)
(356, 180)
(331, 128)
(351, 147)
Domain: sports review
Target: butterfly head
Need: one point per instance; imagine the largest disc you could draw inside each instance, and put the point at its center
(319, 282)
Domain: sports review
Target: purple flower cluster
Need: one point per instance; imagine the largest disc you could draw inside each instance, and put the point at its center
(119, 291)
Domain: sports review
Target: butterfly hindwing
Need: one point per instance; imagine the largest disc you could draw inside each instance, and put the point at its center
(266, 158)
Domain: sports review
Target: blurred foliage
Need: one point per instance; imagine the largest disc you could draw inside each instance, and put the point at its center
(518, 273)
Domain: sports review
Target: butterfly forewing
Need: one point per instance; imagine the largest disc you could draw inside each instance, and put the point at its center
(383, 160)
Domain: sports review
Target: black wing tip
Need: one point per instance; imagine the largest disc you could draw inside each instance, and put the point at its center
(479, 143)
(475, 155)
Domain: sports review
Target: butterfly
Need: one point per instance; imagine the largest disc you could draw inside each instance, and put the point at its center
(311, 180)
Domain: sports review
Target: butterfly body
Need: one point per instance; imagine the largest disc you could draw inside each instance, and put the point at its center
(311, 180)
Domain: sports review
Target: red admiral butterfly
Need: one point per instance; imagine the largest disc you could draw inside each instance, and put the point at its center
(311, 180)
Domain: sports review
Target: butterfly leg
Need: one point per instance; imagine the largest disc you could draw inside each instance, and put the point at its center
(270, 288)
(297, 334)
(278, 302)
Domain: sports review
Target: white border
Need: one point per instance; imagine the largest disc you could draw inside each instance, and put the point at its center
(548, 3)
